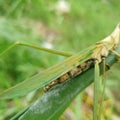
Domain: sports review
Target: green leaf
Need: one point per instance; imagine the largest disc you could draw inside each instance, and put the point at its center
(52, 104)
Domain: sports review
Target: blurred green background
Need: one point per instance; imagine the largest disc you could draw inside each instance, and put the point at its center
(66, 25)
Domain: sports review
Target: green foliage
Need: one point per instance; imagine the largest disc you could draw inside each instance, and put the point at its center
(21, 20)
(52, 104)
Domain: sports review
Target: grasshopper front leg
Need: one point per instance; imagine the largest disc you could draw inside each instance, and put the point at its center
(104, 86)
(96, 90)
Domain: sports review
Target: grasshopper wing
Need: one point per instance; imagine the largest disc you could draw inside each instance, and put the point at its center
(50, 74)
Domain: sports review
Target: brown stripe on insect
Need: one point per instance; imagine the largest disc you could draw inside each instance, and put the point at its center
(72, 73)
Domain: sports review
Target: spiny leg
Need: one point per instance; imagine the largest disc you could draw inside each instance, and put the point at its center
(96, 90)
(66, 54)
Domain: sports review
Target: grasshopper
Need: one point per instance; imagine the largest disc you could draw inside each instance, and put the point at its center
(74, 65)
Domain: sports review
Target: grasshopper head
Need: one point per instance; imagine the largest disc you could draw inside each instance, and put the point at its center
(112, 41)
(109, 43)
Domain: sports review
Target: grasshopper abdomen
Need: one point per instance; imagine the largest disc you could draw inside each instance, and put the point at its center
(70, 74)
